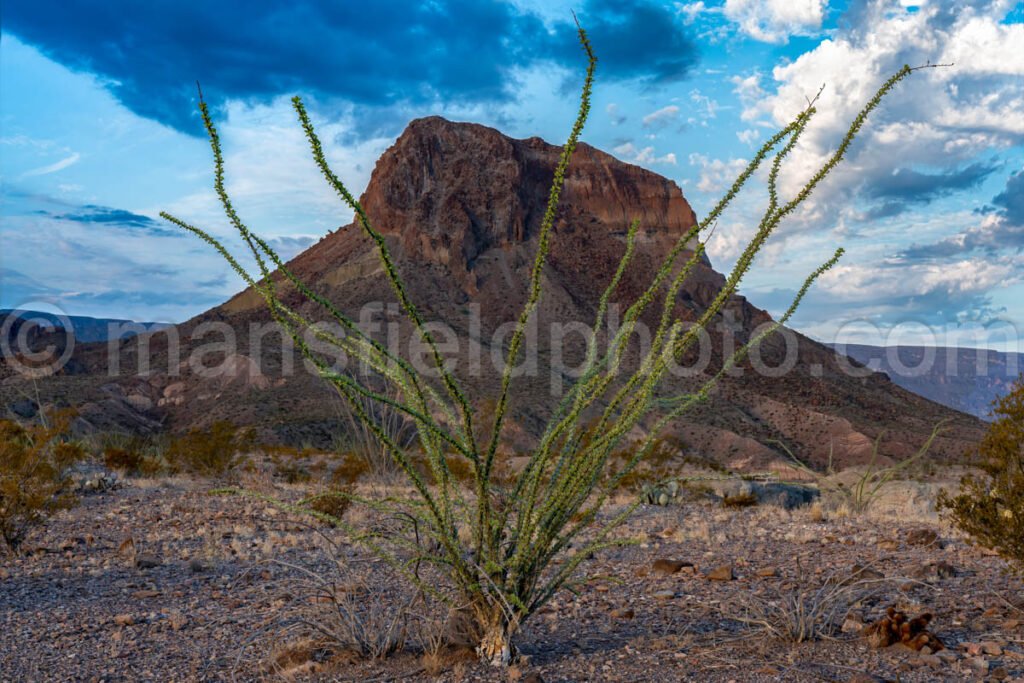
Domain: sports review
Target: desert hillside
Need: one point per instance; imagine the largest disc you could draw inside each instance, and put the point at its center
(460, 206)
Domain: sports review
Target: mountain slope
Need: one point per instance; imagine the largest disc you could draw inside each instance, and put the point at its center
(460, 205)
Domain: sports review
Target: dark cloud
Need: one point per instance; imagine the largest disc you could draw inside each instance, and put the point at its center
(938, 306)
(119, 218)
(885, 210)
(993, 238)
(1004, 233)
(906, 186)
(103, 214)
(149, 54)
(1010, 202)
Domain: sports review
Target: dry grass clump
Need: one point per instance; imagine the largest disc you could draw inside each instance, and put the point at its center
(990, 508)
(35, 463)
(803, 611)
(210, 451)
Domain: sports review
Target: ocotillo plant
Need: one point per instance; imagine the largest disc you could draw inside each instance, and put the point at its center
(523, 544)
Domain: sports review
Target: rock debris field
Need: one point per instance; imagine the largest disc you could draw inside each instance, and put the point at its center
(159, 580)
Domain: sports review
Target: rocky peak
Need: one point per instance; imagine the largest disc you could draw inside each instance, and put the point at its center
(450, 191)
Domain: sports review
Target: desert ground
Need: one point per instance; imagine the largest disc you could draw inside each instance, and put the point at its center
(163, 579)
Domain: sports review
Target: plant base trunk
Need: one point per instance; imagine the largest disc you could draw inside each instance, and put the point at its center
(496, 646)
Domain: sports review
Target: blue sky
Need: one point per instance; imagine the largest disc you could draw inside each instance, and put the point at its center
(98, 133)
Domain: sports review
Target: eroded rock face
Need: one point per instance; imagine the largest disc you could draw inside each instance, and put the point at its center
(452, 191)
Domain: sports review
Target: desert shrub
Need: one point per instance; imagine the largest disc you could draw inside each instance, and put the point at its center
(35, 461)
(739, 500)
(657, 466)
(870, 482)
(351, 468)
(210, 451)
(330, 505)
(990, 505)
(292, 472)
(133, 454)
(521, 546)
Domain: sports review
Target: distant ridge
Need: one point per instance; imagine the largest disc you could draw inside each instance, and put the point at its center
(85, 328)
(964, 379)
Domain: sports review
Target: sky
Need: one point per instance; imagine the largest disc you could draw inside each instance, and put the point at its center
(99, 133)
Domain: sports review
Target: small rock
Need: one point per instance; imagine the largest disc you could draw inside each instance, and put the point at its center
(852, 624)
(144, 594)
(767, 572)
(198, 566)
(991, 648)
(664, 566)
(925, 537)
(124, 620)
(887, 544)
(623, 613)
(664, 595)
(977, 664)
(723, 573)
(147, 561)
(931, 660)
(177, 620)
(972, 649)
(859, 572)
(4, 574)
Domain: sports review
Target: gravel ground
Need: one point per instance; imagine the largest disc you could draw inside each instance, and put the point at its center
(162, 581)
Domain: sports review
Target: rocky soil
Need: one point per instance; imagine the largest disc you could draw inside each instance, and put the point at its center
(160, 580)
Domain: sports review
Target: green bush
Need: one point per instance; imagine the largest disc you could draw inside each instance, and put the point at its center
(990, 505)
(35, 461)
(522, 543)
(210, 451)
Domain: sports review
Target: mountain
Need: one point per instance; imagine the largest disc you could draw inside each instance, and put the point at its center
(965, 379)
(84, 328)
(460, 205)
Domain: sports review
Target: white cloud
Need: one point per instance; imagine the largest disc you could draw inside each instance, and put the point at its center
(936, 118)
(716, 174)
(865, 282)
(692, 10)
(54, 167)
(774, 21)
(748, 136)
(661, 117)
(643, 157)
(748, 89)
(707, 107)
